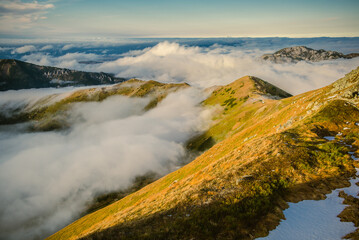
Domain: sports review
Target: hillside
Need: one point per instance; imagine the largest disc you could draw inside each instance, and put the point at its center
(52, 112)
(303, 53)
(15, 74)
(239, 101)
(266, 152)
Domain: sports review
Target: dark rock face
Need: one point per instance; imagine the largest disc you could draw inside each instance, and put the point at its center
(302, 53)
(16, 74)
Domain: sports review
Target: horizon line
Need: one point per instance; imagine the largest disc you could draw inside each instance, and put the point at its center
(109, 39)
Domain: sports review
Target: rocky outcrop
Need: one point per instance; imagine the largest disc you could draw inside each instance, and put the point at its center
(16, 74)
(302, 53)
(347, 87)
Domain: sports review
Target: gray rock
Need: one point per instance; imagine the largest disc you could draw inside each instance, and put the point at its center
(302, 53)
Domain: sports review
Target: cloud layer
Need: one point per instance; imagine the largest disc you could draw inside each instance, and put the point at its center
(46, 178)
(24, 49)
(206, 66)
(215, 65)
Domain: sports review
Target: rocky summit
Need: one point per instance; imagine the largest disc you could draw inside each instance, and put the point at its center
(302, 53)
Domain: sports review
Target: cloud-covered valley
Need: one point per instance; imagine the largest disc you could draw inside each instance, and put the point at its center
(47, 178)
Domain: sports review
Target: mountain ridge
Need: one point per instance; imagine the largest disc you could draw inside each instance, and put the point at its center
(51, 112)
(303, 53)
(272, 152)
(17, 74)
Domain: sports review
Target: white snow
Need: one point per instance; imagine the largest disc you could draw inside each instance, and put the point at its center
(329, 138)
(313, 220)
(59, 81)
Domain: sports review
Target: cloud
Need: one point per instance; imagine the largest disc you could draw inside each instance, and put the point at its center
(68, 46)
(24, 49)
(69, 60)
(19, 7)
(3, 49)
(46, 47)
(13, 100)
(16, 15)
(205, 66)
(46, 178)
(215, 65)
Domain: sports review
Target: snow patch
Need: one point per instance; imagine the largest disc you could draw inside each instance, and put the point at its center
(311, 219)
(329, 138)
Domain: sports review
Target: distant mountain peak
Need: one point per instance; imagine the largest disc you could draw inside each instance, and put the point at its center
(303, 53)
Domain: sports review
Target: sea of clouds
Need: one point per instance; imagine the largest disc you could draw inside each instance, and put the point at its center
(204, 66)
(47, 178)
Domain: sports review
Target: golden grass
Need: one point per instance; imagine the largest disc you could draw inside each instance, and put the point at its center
(255, 138)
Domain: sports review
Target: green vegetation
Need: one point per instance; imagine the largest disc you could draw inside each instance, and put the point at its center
(332, 155)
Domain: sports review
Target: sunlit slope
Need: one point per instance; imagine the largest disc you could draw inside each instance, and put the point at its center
(272, 152)
(246, 99)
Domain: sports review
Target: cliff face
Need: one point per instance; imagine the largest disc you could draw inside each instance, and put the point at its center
(16, 74)
(267, 151)
(302, 53)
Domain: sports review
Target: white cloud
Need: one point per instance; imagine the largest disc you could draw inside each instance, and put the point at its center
(68, 46)
(47, 47)
(69, 60)
(19, 15)
(205, 67)
(3, 49)
(46, 178)
(24, 49)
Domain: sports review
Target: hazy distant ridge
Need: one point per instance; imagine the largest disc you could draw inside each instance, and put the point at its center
(15, 74)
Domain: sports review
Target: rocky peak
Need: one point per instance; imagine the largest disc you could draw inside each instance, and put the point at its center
(348, 86)
(266, 88)
(303, 53)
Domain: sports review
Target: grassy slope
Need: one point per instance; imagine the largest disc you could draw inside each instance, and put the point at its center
(53, 116)
(270, 151)
(241, 101)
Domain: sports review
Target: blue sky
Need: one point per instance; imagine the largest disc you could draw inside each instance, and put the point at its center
(65, 19)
